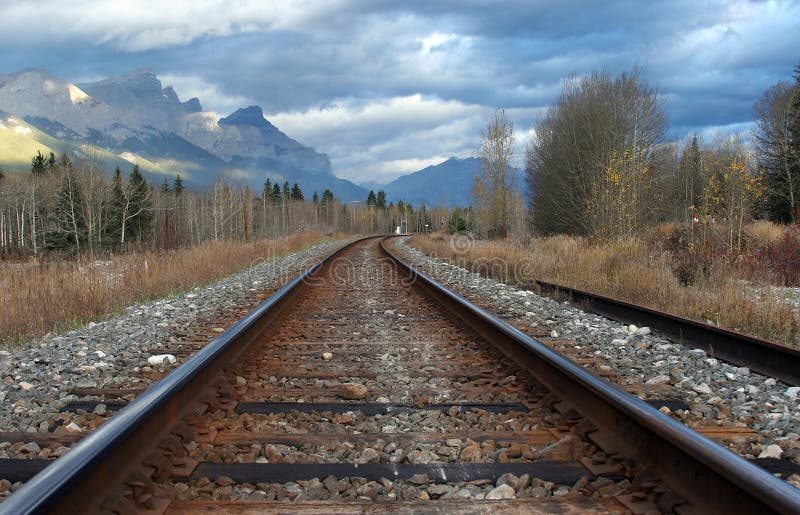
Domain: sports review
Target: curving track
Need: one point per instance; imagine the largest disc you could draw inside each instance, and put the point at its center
(364, 386)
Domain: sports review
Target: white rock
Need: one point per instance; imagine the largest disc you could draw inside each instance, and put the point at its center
(383, 400)
(642, 331)
(771, 451)
(713, 362)
(25, 386)
(618, 341)
(191, 295)
(792, 392)
(72, 427)
(553, 334)
(327, 356)
(389, 312)
(658, 380)
(162, 359)
(632, 329)
(100, 354)
(502, 492)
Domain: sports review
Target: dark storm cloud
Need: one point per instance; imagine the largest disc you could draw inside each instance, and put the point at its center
(395, 84)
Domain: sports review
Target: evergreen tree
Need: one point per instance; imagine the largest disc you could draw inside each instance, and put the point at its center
(297, 193)
(276, 193)
(117, 209)
(286, 192)
(456, 223)
(315, 198)
(51, 162)
(69, 231)
(327, 196)
(371, 200)
(141, 204)
(177, 186)
(3, 176)
(380, 200)
(165, 187)
(267, 189)
(38, 164)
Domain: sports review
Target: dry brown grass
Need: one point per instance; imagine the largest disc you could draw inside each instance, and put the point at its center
(631, 270)
(762, 233)
(41, 297)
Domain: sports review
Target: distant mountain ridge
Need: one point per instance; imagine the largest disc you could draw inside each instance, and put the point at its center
(131, 118)
(448, 183)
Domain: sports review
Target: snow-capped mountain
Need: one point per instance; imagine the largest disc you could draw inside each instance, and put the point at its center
(132, 118)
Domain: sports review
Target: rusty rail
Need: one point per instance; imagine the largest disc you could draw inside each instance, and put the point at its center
(710, 477)
(700, 472)
(763, 356)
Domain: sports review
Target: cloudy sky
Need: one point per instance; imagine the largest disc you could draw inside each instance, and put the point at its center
(386, 88)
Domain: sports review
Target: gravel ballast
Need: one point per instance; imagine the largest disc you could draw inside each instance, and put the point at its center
(719, 394)
(38, 379)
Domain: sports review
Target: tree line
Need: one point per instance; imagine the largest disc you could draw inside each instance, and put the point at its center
(68, 206)
(598, 165)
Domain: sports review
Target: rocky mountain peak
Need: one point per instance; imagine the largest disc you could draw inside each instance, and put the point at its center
(193, 105)
(252, 115)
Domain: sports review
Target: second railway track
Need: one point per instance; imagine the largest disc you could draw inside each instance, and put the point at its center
(363, 386)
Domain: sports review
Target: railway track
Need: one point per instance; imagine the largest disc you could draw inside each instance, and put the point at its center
(364, 386)
(763, 356)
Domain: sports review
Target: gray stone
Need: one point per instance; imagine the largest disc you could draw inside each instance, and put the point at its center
(502, 492)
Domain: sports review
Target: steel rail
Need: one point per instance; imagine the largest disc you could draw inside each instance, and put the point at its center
(82, 479)
(765, 357)
(709, 476)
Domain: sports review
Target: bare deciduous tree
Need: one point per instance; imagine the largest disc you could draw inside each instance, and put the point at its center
(596, 120)
(777, 156)
(493, 184)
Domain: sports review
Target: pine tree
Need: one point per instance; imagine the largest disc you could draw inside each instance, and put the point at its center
(327, 196)
(276, 193)
(297, 193)
(69, 232)
(380, 200)
(267, 189)
(50, 165)
(314, 199)
(3, 176)
(141, 205)
(165, 187)
(371, 200)
(286, 192)
(177, 186)
(38, 164)
(117, 209)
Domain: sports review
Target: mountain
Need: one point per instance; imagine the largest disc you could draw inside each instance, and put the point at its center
(132, 118)
(449, 182)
